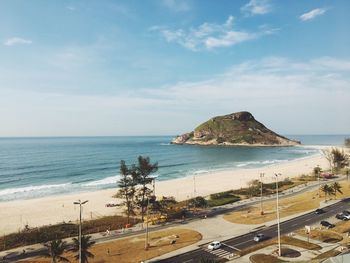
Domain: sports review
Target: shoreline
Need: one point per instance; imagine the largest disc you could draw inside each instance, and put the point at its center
(55, 209)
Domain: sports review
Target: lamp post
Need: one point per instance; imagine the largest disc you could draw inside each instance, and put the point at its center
(147, 214)
(80, 203)
(318, 175)
(194, 186)
(261, 193)
(278, 216)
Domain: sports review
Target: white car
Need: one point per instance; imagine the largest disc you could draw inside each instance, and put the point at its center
(214, 245)
(259, 237)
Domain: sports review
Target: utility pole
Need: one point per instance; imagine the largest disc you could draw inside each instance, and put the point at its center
(80, 203)
(278, 216)
(261, 193)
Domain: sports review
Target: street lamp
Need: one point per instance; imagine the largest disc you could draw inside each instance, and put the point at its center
(80, 203)
(318, 175)
(194, 186)
(278, 216)
(147, 214)
(261, 193)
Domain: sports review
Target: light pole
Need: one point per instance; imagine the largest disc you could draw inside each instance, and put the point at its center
(261, 193)
(318, 175)
(80, 203)
(278, 216)
(147, 214)
(194, 186)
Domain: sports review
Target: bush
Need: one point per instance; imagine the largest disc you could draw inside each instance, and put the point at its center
(198, 202)
(60, 231)
(222, 198)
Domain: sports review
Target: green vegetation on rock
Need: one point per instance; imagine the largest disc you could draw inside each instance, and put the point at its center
(238, 128)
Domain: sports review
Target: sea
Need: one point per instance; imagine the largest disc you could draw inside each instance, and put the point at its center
(38, 167)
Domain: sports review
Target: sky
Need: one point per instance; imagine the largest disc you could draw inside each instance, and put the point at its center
(162, 67)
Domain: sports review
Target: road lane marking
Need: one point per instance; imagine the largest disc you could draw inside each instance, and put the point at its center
(243, 242)
(218, 252)
(231, 247)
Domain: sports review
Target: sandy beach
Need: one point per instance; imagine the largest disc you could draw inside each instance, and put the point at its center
(50, 210)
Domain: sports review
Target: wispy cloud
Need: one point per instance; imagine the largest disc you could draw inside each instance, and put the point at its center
(210, 35)
(71, 8)
(17, 41)
(177, 5)
(312, 14)
(257, 7)
(277, 90)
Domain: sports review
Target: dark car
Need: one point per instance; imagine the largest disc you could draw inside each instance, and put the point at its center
(326, 224)
(319, 211)
(345, 212)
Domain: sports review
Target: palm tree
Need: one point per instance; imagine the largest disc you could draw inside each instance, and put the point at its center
(327, 190)
(336, 187)
(55, 250)
(86, 244)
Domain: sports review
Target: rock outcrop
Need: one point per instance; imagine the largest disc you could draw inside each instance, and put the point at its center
(238, 128)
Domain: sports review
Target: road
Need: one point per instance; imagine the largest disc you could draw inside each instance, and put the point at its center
(241, 242)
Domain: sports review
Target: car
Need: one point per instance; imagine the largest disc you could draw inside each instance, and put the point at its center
(346, 215)
(341, 216)
(326, 224)
(319, 211)
(259, 237)
(214, 245)
(345, 212)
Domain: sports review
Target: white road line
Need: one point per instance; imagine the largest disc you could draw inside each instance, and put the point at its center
(218, 252)
(231, 247)
(243, 242)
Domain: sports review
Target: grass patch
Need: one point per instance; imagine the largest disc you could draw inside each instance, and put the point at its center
(342, 227)
(284, 240)
(46, 233)
(288, 252)
(327, 236)
(263, 258)
(222, 198)
(131, 249)
(328, 254)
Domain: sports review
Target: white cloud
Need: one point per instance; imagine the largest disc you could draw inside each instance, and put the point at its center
(291, 97)
(177, 5)
(312, 14)
(71, 8)
(257, 7)
(210, 35)
(17, 41)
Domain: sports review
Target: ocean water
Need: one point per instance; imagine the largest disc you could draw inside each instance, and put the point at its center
(36, 167)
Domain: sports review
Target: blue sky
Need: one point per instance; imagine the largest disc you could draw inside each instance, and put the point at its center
(161, 67)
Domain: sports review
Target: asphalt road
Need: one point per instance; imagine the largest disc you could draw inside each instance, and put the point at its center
(241, 242)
